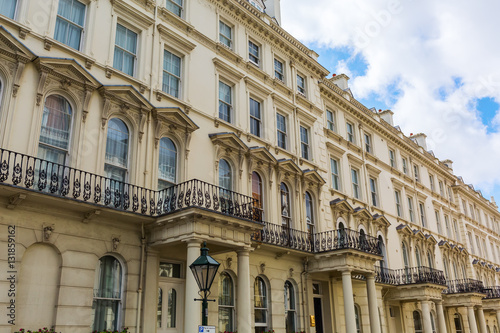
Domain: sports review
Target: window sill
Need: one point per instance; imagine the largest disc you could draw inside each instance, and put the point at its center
(110, 71)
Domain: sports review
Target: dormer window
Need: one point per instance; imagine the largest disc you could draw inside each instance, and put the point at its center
(256, 5)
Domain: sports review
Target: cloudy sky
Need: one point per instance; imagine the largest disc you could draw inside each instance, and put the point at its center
(435, 64)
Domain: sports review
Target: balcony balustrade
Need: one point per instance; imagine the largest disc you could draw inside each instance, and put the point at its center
(409, 275)
(317, 242)
(491, 292)
(35, 174)
(464, 286)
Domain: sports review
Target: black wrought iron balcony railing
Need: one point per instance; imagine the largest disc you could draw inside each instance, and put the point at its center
(317, 242)
(54, 179)
(386, 275)
(491, 292)
(464, 286)
(421, 274)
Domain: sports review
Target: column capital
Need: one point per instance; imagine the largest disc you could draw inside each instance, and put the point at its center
(191, 242)
(345, 271)
(370, 276)
(244, 251)
(438, 301)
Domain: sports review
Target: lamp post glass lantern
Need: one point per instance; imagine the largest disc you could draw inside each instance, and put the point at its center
(204, 269)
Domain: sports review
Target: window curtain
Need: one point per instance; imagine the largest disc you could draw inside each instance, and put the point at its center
(70, 21)
(107, 294)
(167, 160)
(8, 8)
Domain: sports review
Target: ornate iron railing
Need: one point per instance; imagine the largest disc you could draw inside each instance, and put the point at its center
(286, 237)
(491, 292)
(410, 275)
(421, 274)
(39, 175)
(385, 275)
(464, 286)
(317, 242)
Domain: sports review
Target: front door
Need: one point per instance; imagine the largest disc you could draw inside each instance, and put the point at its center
(170, 312)
(318, 314)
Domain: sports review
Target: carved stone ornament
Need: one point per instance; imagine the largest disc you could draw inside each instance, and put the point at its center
(262, 268)
(47, 231)
(116, 242)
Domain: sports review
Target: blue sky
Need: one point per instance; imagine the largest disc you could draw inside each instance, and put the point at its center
(434, 64)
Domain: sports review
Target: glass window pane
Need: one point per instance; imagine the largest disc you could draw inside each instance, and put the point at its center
(172, 308)
(8, 8)
(117, 143)
(167, 161)
(225, 176)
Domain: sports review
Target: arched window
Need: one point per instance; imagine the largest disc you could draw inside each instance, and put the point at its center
(116, 162)
(405, 255)
(357, 316)
(429, 259)
(172, 309)
(457, 232)
(285, 206)
(446, 269)
(226, 303)
(225, 175)
(309, 216)
(464, 273)
(433, 323)
(488, 329)
(260, 305)
(362, 239)
(108, 296)
(290, 311)
(381, 243)
(418, 257)
(159, 309)
(257, 189)
(458, 323)
(56, 129)
(167, 164)
(417, 322)
(341, 235)
(455, 274)
(495, 329)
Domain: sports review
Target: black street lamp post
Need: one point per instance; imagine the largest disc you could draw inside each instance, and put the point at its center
(204, 269)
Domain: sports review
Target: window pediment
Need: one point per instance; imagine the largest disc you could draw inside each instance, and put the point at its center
(11, 47)
(228, 71)
(336, 151)
(342, 205)
(262, 154)
(257, 87)
(68, 70)
(354, 160)
(175, 40)
(289, 166)
(314, 177)
(229, 141)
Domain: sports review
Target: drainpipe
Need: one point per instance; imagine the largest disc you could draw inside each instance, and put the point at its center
(139, 288)
(304, 285)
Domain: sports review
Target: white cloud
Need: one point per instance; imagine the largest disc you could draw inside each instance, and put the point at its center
(440, 56)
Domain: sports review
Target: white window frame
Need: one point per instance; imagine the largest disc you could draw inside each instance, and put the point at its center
(179, 78)
(392, 158)
(280, 131)
(278, 73)
(335, 177)
(301, 84)
(374, 192)
(223, 37)
(368, 143)
(254, 118)
(305, 147)
(134, 74)
(82, 34)
(230, 105)
(399, 207)
(252, 57)
(356, 188)
(350, 135)
(411, 211)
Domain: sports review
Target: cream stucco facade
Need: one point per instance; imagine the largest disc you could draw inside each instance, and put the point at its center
(132, 131)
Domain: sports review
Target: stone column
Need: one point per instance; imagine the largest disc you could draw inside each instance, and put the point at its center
(482, 321)
(498, 317)
(440, 317)
(150, 307)
(426, 316)
(372, 303)
(472, 319)
(244, 311)
(350, 319)
(192, 308)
